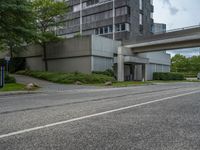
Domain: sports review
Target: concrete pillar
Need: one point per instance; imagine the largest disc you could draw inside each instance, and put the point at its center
(120, 65)
(143, 72)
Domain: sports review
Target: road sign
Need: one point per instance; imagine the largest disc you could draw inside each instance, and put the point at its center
(7, 58)
(2, 79)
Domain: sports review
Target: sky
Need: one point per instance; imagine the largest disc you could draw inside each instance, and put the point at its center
(178, 14)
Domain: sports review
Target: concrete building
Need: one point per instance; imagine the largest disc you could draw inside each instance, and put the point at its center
(159, 28)
(131, 18)
(99, 22)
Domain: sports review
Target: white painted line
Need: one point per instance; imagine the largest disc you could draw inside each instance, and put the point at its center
(93, 115)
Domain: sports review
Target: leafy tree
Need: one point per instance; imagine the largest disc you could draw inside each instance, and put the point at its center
(17, 24)
(194, 64)
(48, 14)
(179, 63)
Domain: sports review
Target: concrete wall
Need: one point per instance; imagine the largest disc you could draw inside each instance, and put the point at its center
(151, 68)
(103, 50)
(78, 64)
(83, 54)
(157, 57)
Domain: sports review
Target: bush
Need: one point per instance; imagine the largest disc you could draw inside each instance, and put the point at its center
(108, 72)
(9, 79)
(68, 78)
(167, 76)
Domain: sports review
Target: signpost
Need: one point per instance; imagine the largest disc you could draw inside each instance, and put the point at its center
(2, 79)
(7, 59)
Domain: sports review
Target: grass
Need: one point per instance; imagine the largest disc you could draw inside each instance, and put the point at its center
(13, 87)
(129, 83)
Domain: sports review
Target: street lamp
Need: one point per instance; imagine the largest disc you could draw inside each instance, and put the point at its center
(81, 17)
(113, 19)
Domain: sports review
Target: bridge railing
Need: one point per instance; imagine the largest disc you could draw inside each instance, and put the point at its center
(178, 29)
(186, 31)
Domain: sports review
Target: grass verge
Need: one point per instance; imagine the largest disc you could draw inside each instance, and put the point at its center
(13, 87)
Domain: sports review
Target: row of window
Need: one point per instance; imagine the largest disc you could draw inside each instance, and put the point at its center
(109, 29)
(89, 3)
(97, 17)
(106, 15)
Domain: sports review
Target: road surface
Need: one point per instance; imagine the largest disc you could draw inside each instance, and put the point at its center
(154, 117)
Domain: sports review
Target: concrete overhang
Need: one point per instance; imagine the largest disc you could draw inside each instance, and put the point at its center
(166, 44)
(133, 59)
(137, 60)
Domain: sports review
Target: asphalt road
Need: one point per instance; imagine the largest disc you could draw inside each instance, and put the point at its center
(154, 117)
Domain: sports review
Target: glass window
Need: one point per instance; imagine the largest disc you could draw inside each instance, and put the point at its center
(101, 31)
(117, 28)
(110, 29)
(105, 30)
(140, 4)
(141, 19)
(76, 8)
(123, 27)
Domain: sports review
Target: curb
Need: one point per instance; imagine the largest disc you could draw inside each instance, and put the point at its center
(18, 93)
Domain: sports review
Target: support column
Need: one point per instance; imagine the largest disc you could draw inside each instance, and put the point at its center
(120, 65)
(143, 72)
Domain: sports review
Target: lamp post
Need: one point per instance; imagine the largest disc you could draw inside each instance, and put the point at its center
(81, 17)
(113, 19)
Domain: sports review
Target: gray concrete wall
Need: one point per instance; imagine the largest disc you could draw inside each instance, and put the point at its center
(78, 64)
(65, 56)
(73, 47)
(103, 50)
(151, 68)
(157, 57)
(83, 54)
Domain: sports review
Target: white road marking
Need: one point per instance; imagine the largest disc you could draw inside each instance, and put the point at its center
(93, 115)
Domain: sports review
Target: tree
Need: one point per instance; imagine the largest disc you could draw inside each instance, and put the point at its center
(194, 64)
(48, 14)
(17, 24)
(179, 63)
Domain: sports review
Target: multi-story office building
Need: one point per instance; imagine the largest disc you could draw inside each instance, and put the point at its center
(131, 18)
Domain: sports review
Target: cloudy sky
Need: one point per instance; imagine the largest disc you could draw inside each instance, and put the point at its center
(178, 14)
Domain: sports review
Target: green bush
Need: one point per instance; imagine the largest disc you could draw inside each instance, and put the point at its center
(68, 78)
(108, 72)
(9, 79)
(166, 76)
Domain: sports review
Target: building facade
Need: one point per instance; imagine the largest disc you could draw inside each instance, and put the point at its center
(126, 18)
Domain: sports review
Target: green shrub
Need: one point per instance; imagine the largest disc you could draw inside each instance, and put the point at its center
(68, 78)
(167, 76)
(108, 72)
(9, 79)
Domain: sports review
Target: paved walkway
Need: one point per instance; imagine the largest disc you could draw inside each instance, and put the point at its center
(49, 86)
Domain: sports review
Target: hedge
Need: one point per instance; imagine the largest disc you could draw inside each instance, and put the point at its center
(68, 78)
(167, 76)
(108, 72)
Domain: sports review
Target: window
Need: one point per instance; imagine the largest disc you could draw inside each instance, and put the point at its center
(141, 19)
(140, 4)
(151, 15)
(109, 29)
(76, 8)
(123, 27)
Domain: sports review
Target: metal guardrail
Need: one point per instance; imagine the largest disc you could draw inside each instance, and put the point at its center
(178, 29)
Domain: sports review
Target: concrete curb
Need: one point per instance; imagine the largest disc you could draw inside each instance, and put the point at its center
(18, 93)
